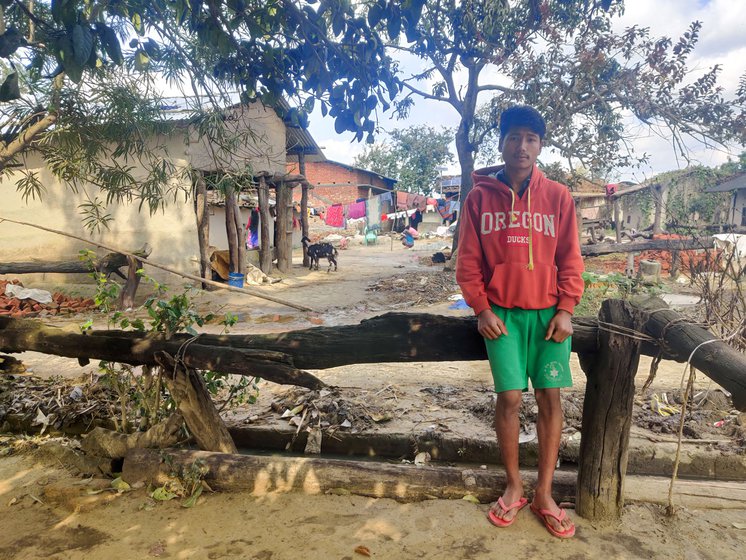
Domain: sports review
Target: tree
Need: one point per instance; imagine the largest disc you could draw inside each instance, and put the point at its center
(413, 157)
(564, 58)
(79, 71)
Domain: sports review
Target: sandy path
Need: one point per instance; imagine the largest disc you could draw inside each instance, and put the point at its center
(281, 526)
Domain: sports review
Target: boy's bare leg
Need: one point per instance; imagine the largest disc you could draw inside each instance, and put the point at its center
(507, 427)
(549, 430)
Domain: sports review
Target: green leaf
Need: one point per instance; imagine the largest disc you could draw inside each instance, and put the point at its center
(191, 501)
(10, 90)
(162, 495)
(120, 485)
(82, 44)
(141, 60)
(110, 42)
(137, 24)
(375, 14)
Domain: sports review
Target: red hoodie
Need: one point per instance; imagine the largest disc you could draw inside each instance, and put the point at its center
(519, 251)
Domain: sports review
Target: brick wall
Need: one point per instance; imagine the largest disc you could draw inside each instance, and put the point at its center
(335, 183)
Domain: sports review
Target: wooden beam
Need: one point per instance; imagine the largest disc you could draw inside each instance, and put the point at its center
(393, 337)
(131, 348)
(647, 245)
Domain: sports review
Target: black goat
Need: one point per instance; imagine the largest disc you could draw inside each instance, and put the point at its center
(319, 251)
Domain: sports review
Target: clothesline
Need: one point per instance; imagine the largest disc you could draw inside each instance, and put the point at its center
(406, 205)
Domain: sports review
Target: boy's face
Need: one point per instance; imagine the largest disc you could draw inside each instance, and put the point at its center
(520, 147)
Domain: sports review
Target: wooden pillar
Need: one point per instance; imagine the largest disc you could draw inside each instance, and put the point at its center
(579, 218)
(265, 251)
(607, 415)
(230, 228)
(675, 263)
(284, 225)
(617, 220)
(659, 196)
(203, 225)
(240, 237)
(303, 205)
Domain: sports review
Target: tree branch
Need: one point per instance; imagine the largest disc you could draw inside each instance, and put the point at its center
(24, 139)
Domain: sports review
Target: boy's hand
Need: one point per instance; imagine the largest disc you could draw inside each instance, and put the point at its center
(490, 326)
(560, 327)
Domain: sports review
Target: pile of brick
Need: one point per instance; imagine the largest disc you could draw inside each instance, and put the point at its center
(698, 260)
(60, 305)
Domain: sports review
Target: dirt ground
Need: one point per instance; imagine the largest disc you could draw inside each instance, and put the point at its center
(49, 512)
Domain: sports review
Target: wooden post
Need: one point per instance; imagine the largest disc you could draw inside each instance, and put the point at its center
(193, 401)
(265, 251)
(607, 415)
(617, 221)
(203, 225)
(281, 220)
(303, 206)
(675, 262)
(240, 237)
(659, 196)
(579, 219)
(230, 229)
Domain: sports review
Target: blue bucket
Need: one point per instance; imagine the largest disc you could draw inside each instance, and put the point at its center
(235, 279)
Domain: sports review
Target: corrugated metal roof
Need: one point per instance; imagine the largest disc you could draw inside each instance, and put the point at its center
(734, 184)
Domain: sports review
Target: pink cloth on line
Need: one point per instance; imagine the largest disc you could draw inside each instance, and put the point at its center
(357, 210)
(401, 200)
(334, 216)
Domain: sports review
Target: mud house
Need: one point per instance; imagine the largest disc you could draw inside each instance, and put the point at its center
(172, 231)
(736, 214)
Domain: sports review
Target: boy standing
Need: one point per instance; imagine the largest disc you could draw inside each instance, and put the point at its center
(519, 268)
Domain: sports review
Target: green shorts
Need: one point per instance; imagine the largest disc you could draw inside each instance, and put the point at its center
(524, 354)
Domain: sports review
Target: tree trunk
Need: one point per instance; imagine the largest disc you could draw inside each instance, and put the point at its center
(203, 226)
(464, 148)
(265, 250)
(263, 474)
(647, 245)
(230, 229)
(607, 415)
(195, 405)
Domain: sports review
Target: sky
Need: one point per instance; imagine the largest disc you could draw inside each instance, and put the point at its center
(722, 41)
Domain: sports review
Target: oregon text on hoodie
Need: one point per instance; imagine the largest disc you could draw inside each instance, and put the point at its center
(519, 251)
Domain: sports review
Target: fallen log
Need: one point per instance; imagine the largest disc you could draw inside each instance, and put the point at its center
(101, 442)
(108, 264)
(647, 245)
(393, 337)
(263, 474)
(683, 341)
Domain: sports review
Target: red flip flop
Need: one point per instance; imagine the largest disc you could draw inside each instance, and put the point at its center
(542, 514)
(500, 522)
